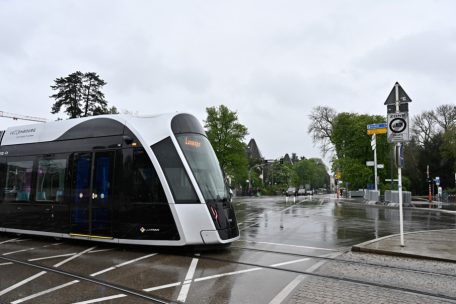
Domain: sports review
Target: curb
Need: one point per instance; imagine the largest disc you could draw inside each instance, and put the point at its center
(361, 248)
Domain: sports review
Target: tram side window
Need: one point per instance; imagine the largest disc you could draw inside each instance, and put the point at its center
(146, 187)
(175, 173)
(18, 180)
(50, 180)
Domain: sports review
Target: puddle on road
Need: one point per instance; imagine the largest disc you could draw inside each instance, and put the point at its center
(323, 222)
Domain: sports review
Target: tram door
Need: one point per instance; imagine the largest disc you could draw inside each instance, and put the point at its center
(92, 194)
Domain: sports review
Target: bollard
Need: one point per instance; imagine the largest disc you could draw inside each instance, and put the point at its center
(294, 199)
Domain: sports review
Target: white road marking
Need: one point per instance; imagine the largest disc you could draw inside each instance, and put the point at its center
(188, 280)
(247, 270)
(4, 264)
(18, 240)
(73, 257)
(290, 262)
(123, 264)
(190, 274)
(183, 293)
(52, 257)
(55, 244)
(41, 273)
(21, 240)
(7, 241)
(284, 293)
(17, 251)
(101, 250)
(23, 282)
(295, 246)
(162, 287)
(227, 274)
(44, 292)
(102, 299)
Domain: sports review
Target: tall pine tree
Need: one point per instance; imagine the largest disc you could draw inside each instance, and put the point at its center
(69, 90)
(81, 96)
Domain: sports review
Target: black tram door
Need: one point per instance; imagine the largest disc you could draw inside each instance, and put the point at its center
(91, 210)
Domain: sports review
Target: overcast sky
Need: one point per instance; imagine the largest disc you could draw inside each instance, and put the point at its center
(271, 61)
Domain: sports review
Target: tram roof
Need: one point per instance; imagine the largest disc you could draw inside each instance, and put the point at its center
(149, 128)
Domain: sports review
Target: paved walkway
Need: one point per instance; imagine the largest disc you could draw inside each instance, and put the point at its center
(430, 282)
(434, 244)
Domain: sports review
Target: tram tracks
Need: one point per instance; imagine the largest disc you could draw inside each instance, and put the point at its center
(125, 291)
(326, 258)
(347, 279)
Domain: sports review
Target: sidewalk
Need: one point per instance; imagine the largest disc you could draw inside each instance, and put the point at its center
(434, 244)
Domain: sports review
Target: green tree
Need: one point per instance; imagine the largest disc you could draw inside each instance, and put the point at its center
(80, 94)
(227, 135)
(93, 99)
(69, 90)
(353, 149)
(433, 144)
(346, 135)
(311, 172)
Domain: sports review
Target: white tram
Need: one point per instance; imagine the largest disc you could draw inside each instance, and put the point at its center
(152, 180)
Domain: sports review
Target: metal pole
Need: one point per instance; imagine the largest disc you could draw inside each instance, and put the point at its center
(374, 139)
(250, 181)
(399, 175)
(401, 212)
(429, 184)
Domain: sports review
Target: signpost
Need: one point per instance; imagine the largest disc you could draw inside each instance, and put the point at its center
(378, 128)
(398, 132)
(374, 129)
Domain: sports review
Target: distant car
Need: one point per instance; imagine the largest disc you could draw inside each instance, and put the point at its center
(290, 191)
(301, 192)
(309, 192)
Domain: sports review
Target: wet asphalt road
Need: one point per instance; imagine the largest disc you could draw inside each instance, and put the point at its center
(277, 241)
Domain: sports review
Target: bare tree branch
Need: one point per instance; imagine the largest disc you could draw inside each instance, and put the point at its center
(423, 127)
(321, 126)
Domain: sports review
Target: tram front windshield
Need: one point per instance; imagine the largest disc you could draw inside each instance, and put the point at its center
(204, 164)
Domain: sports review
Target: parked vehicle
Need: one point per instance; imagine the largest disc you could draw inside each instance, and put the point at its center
(301, 191)
(290, 191)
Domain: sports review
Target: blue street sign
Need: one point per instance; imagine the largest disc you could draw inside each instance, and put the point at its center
(377, 126)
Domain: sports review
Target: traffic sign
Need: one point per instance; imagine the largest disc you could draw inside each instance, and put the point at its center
(398, 129)
(377, 128)
(377, 131)
(370, 163)
(382, 125)
(381, 166)
(403, 97)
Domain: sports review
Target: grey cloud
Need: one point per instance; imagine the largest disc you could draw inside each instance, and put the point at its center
(427, 53)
